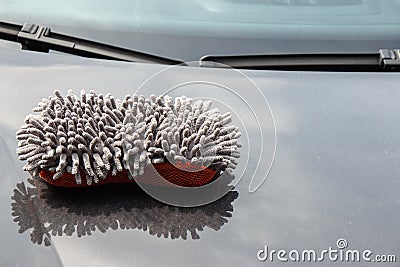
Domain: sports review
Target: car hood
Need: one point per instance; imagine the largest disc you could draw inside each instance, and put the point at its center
(334, 176)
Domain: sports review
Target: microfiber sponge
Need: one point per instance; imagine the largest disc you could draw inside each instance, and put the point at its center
(100, 136)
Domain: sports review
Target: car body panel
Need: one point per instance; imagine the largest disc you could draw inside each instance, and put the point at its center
(335, 174)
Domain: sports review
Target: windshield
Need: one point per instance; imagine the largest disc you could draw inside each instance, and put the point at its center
(191, 29)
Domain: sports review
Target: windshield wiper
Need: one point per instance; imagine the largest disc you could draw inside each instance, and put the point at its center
(384, 60)
(39, 38)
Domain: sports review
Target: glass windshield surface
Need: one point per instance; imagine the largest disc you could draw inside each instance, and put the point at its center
(192, 28)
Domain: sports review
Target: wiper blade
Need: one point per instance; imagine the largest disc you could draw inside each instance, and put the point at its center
(39, 38)
(384, 60)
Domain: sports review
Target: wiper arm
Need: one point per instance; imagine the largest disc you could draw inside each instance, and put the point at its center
(42, 39)
(384, 60)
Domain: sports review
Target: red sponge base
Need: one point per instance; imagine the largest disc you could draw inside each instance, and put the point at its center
(185, 174)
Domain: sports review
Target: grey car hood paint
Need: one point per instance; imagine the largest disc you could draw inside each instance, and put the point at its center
(335, 175)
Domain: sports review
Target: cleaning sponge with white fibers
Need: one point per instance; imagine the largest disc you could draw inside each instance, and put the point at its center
(104, 136)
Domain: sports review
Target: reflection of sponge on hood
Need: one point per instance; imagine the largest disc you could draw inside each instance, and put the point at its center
(99, 136)
(41, 210)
